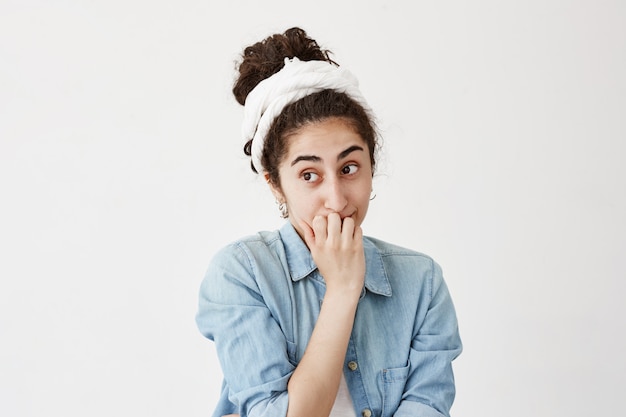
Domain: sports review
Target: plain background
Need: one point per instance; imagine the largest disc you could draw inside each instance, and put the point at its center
(121, 173)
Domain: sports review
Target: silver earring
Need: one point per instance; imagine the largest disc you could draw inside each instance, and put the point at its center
(372, 195)
(284, 212)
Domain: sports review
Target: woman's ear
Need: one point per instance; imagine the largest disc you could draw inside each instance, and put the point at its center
(278, 195)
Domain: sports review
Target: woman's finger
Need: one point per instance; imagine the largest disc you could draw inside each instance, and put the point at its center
(334, 226)
(347, 230)
(319, 224)
(309, 234)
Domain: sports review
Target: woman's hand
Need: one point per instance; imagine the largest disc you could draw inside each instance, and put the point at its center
(337, 249)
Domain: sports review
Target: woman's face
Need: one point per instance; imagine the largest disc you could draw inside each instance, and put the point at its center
(326, 169)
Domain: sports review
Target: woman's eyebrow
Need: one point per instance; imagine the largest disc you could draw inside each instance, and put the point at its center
(306, 158)
(315, 158)
(349, 151)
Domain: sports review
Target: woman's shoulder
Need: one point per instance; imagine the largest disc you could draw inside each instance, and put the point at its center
(248, 259)
(405, 266)
(387, 249)
(252, 245)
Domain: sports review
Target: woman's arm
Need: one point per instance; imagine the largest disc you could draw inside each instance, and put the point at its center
(430, 388)
(337, 248)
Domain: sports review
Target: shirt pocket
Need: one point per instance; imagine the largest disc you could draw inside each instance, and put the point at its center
(393, 381)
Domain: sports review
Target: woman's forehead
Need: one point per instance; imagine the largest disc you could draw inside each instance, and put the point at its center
(324, 137)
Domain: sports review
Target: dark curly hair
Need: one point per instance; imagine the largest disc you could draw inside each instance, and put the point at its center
(265, 58)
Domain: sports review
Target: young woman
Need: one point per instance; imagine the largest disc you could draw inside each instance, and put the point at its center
(315, 319)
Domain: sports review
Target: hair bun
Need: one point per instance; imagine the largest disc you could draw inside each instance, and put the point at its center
(267, 57)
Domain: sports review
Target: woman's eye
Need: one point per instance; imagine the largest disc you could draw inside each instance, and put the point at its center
(310, 176)
(349, 169)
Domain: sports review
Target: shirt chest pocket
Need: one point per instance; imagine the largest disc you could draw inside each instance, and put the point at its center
(393, 383)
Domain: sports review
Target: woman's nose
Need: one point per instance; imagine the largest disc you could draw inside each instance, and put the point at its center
(335, 198)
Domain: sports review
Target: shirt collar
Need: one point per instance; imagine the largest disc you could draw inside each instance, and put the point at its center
(301, 264)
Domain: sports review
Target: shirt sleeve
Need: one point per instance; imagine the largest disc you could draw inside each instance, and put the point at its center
(430, 389)
(250, 345)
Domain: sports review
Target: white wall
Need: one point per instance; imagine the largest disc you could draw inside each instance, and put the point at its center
(121, 173)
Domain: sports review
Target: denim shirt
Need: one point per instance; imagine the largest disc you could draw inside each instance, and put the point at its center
(259, 302)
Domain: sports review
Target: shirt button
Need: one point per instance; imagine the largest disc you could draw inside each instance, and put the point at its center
(353, 366)
(366, 413)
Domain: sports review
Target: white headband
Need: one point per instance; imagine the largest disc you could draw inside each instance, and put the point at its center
(297, 79)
